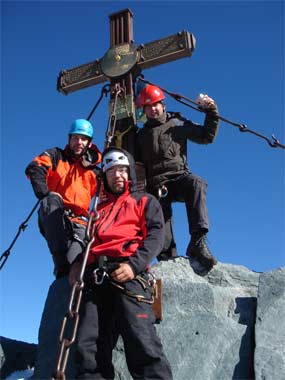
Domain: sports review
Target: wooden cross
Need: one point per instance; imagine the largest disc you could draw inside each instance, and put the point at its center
(122, 64)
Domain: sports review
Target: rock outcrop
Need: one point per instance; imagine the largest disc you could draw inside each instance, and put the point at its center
(269, 358)
(16, 356)
(225, 324)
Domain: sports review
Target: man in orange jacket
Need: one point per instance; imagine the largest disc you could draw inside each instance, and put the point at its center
(65, 182)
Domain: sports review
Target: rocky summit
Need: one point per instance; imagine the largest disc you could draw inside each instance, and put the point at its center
(227, 323)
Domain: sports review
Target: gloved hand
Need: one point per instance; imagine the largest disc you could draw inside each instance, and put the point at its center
(205, 102)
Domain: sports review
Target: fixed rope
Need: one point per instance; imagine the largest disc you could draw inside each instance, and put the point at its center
(274, 143)
(21, 228)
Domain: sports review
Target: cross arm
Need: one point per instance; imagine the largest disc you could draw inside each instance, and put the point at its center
(86, 75)
(151, 54)
(167, 49)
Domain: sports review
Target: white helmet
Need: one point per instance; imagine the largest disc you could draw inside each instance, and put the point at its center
(112, 158)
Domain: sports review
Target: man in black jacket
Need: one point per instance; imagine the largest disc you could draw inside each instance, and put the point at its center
(162, 147)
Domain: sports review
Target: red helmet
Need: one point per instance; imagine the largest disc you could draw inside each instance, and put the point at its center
(149, 95)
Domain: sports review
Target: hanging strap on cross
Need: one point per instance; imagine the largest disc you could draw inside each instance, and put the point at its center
(274, 143)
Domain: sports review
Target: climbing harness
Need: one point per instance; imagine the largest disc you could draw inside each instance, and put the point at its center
(102, 272)
(21, 228)
(274, 143)
(70, 214)
(150, 284)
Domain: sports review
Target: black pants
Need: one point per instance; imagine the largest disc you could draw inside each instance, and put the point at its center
(191, 190)
(106, 312)
(65, 239)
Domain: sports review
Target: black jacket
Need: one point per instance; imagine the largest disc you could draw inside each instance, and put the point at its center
(162, 146)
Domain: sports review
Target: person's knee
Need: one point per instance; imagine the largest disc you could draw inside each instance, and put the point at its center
(54, 199)
(49, 204)
(196, 181)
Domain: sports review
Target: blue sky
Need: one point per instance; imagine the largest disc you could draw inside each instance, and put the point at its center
(239, 61)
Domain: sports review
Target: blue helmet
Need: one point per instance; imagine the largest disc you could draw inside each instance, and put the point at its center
(81, 127)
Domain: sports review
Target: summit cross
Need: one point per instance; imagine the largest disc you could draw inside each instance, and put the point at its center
(123, 63)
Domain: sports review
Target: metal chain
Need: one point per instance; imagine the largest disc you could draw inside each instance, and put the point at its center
(274, 143)
(72, 316)
(113, 117)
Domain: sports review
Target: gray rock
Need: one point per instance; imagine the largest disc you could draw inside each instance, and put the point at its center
(270, 326)
(55, 309)
(208, 329)
(16, 355)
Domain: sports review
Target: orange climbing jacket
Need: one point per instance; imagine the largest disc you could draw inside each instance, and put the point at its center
(73, 178)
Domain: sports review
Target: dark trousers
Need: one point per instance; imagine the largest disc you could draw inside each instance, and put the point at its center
(191, 190)
(106, 313)
(65, 239)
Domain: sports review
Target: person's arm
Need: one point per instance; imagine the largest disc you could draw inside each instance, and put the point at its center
(37, 171)
(202, 134)
(211, 123)
(154, 235)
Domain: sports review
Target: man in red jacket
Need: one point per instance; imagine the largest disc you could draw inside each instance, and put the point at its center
(129, 234)
(65, 182)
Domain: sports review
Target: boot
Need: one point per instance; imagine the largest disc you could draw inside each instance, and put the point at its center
(198, 249)
(171, 253)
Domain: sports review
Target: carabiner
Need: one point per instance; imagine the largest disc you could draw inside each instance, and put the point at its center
(99, 275)
(151, 279)
(162, 192)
